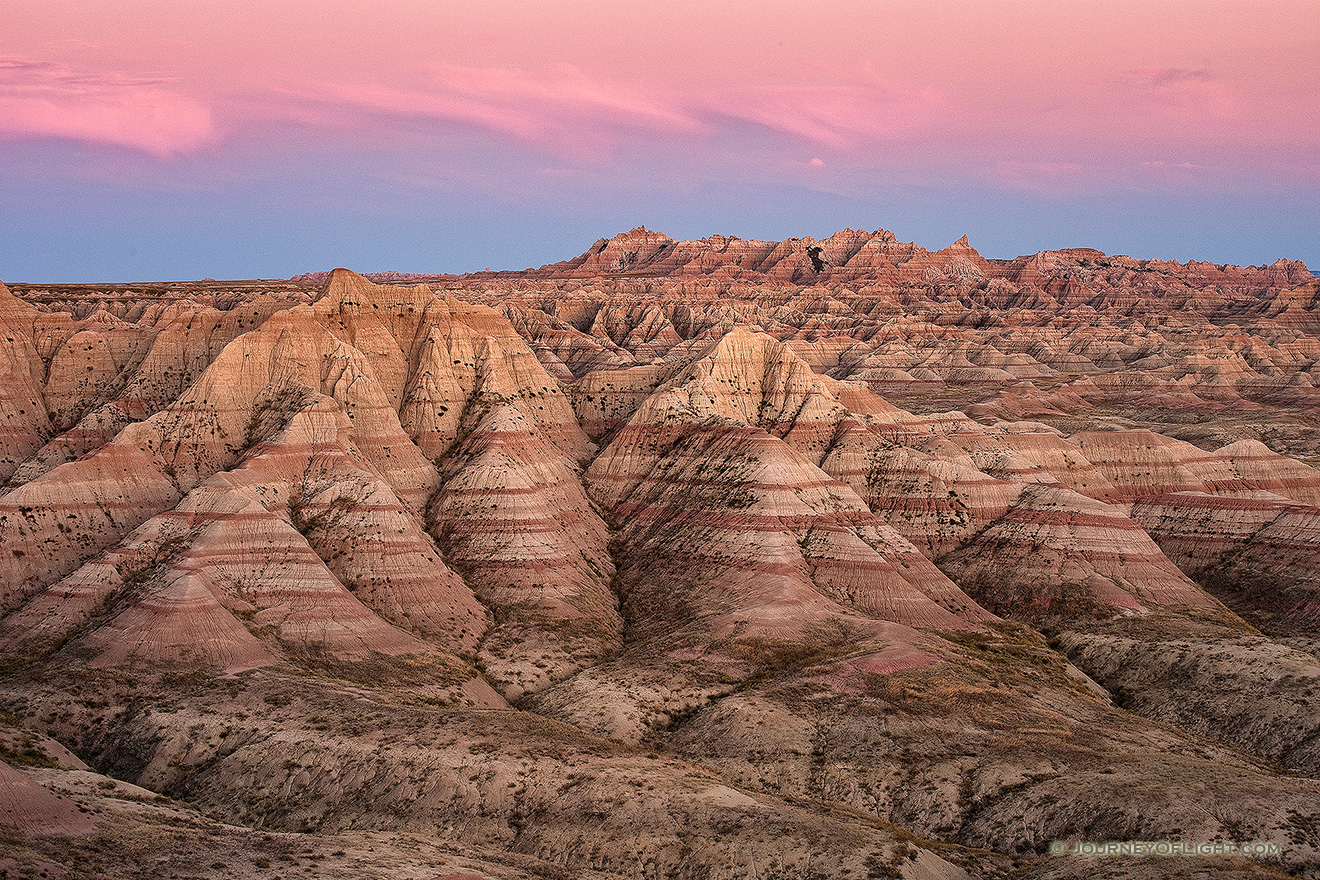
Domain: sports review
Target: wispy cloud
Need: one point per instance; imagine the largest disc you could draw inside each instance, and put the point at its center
(43, 99)
(560, 109)
(568, 112)
(1181, 89)
(1159, 77)
(849, 113)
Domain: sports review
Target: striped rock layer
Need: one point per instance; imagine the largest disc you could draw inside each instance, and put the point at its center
(421, 458)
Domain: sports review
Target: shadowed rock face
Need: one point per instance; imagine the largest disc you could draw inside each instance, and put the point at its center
(712, 558)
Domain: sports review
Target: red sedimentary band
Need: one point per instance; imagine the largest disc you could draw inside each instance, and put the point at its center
(515, 438)
(204, 517)
(387, 508)
(1128, 492)
(1073, 519)
(1274, 553)
(729, 520)
(277, 448)
(535, 564)
(707, 482)
(1175, 544)
(54, 508)
(683, 428)
(1103, 562)
(1226, 486)
(919, 503)
(504, 491)
(656, 557)
(492, 525)
(880, 564)
(1216, 502)
(919, 474)
(286, 555)
(1028, 470)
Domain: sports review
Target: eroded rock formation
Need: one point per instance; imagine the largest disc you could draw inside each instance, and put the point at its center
(577, 570)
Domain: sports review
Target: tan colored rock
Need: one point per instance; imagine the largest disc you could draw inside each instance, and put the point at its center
(934, 503)
(24, 423)
(514, 519)
(1260, 554)
(1058, 554)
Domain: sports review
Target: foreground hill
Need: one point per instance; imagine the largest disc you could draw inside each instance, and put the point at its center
(718, 558)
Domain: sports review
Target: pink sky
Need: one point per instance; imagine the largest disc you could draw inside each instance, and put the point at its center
(1050, 98)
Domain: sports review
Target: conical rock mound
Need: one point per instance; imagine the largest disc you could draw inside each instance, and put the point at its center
(1056, 553)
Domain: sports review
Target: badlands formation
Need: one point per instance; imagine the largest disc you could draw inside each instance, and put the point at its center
(690, 559)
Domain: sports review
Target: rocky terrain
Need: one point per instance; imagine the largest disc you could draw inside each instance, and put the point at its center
(693, 559)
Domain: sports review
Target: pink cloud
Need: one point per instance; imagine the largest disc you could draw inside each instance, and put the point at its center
(847, 114)
(1158, 77)
(42, 99)
(561, 109)
(1181, 89)
(569, 112)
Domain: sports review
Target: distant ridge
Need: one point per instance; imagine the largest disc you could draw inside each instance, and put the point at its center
(848, 255)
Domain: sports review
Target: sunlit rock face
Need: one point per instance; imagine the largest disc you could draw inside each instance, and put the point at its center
(800, 547)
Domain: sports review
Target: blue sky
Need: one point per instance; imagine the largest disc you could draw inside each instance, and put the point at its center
(170, 140)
